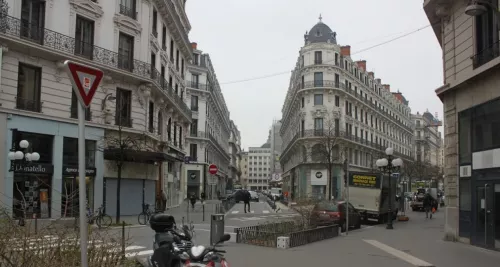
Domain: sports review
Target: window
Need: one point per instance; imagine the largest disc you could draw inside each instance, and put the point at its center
(172, 50)
(302, 82)
(155, 23)
(164, 38)
(177, 59)
(337, 101)
(29, 88)
(32, 20)
(153, 65)
(486, 126)
(180, 136)
(486, 36)
(125, 51)
(176, 90)
(74, 107)
(196, 59)
(127, 8)
(302, 102)
(151, 112)
(195, 81)
(318, 99)
(318, 57)
(194, 127)
(160, 123)
(182, 68)
(194, 102)
(337, 80)
(84, 37)
(318, 79)
(123, 107)
(70, 145)
(193, 152)
(465, 205)
(347, 107)
(318, 124)
(337, 127)
(169, 129)
(302, 127)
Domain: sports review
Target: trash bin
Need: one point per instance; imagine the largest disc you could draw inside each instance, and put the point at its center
(216, 228)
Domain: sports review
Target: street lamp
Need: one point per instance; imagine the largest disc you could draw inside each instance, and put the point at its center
(389, 166)
(477, 8)
(22, 157)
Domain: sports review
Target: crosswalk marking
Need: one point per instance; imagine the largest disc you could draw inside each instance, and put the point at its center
(265, 211)
(235, 211)
(252, 211)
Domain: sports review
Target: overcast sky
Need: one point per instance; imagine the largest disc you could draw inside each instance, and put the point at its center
(251, 39)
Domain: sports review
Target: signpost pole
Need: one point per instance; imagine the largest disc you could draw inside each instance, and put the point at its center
(81, 184)
(347, 198)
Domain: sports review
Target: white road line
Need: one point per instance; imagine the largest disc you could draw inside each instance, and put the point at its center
(235, 211)
(252, 211)
(265, 211)
(399, 254)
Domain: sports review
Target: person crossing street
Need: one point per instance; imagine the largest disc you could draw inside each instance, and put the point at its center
(246, 200)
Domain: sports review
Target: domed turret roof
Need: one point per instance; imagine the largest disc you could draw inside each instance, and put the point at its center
(320, 33)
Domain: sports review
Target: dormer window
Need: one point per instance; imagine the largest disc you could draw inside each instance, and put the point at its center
(318, 33)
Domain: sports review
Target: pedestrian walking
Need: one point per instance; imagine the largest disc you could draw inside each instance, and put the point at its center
(163, 201)
(428, 203)
(246, 199)
(192, 198)
(202, 197)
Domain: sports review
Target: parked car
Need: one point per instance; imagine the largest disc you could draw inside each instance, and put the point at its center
(254, 196)
(328, 213)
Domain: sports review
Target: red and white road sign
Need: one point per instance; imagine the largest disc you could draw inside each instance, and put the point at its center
(212, 169)
(85, 80)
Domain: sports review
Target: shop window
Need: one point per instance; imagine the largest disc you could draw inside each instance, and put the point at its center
(486, 126)
(70, 198)
(465, 205)
(32, 194)
(70, 152)
(38, 143)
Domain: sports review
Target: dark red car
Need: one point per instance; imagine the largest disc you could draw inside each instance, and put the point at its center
(328, 213)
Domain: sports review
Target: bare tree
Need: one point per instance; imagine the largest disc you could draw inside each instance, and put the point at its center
(422, 170)
(118, 144)
(325, 150)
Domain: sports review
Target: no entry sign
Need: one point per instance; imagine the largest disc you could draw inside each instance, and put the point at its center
(212, 169)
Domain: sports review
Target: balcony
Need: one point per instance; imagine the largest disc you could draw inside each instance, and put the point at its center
(11, 29)
(198, 134)
(28, 104)
(129, 12)
(196, 85)
(486, 55)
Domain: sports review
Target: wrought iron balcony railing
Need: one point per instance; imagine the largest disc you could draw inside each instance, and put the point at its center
(486, 55)
(128, 11)
(63, 44)
(198, 134)
(34, 105)
(196, 85)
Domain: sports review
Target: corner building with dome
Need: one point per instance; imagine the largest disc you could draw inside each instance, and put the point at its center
(333, 98)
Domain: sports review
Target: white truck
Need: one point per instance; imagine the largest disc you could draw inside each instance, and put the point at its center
(275, 193)
(369, 194)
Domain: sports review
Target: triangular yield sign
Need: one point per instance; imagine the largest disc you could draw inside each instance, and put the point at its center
(85, 80)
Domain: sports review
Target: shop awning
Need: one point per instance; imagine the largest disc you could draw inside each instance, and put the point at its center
(137, 156)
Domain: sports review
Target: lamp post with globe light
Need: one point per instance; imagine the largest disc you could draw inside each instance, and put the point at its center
(389, 166)
(21, 157)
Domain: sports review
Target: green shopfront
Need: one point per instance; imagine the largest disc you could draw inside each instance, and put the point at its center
(479, 174)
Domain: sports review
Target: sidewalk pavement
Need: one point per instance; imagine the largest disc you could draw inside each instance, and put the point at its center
(418, 242)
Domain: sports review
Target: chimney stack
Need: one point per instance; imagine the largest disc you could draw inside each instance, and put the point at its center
(362, 64)
(371, 74)
(378, 81)
(345, 51)
(194, 45)
(387, 87)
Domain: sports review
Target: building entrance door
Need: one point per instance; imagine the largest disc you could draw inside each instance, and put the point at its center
(485, 215)
(496, 215)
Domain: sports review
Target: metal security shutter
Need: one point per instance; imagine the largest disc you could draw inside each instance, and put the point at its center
(131, 196)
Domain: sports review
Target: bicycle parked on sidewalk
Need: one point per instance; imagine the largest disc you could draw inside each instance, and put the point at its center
(145, 215)
(101, 219)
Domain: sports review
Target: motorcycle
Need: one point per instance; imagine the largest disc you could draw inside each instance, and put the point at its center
(168, 241)
(201, 256)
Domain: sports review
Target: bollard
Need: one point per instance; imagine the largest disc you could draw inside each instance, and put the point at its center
(36, 222)
(203, 206)
(123, 239)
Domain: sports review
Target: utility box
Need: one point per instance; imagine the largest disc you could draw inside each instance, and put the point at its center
(216, 228)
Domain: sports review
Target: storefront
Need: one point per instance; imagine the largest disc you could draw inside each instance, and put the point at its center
(479, 174)
(48, 183)
(70, 200)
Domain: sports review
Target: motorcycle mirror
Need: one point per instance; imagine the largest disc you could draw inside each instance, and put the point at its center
(224, 238)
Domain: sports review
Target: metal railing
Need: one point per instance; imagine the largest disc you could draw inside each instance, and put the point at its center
(265, 234)
(486, 55)
(34, 105)
(196, 85)
(308, 236)
(198, 134)
(128, 11)
(63, 44)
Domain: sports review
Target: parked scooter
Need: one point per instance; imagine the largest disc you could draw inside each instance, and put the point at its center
(168, 242)
(201, 256)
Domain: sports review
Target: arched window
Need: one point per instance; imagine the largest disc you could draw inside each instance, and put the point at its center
(318, 153)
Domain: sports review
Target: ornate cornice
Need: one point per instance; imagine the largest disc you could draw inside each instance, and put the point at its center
(127, 24)
(87, 8)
